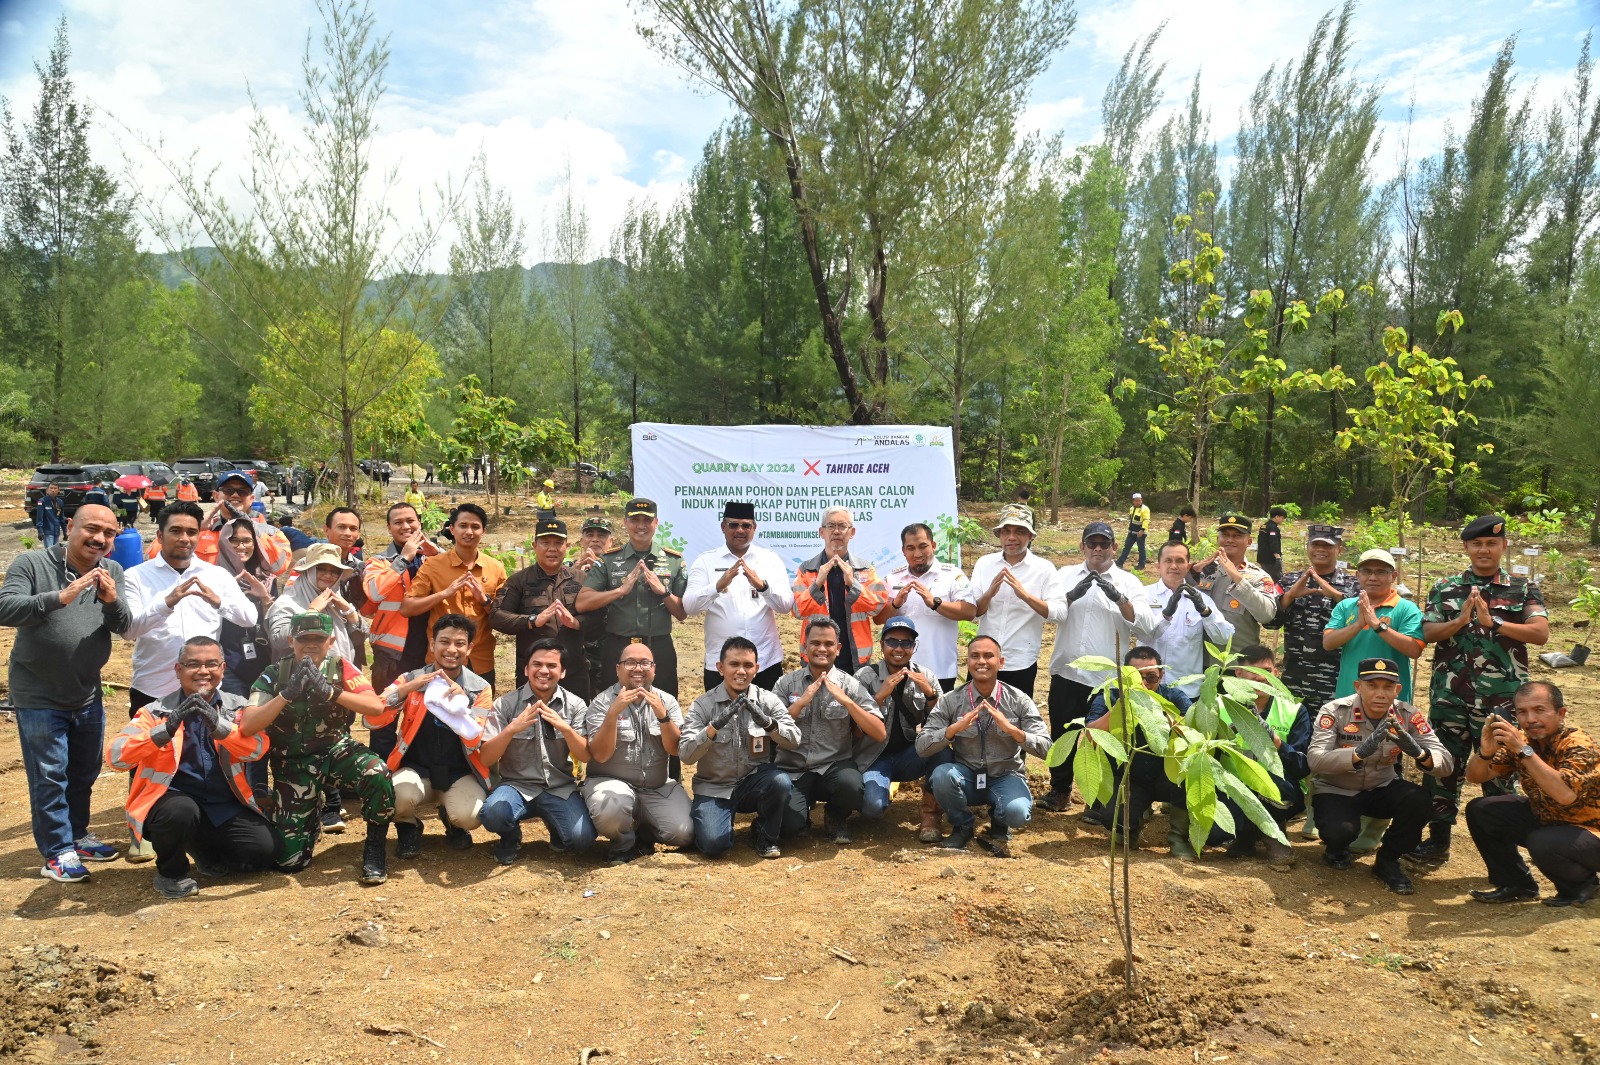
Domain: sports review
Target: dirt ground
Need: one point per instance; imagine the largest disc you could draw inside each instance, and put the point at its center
(884, 950)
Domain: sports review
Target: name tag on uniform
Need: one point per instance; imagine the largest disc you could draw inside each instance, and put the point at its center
(982, 783)
(758, 745)
(249, 650)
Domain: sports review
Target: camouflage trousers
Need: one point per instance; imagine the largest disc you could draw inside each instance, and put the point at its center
(299, 782)
(1459, 728)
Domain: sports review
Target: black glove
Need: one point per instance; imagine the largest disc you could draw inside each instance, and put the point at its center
(221, 723)
(1109, 589)
(729, 712)
(1370, 746)
(298, 683)
(320, 691)
(1172, 603)
(1192, 593)
(759, 717)
(161, 735)
(1408, 743)
(1083, 586)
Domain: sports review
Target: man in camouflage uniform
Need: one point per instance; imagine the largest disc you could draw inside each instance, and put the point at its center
(594, 540)
(1242, 590)
(306, 704)
(640, 586)
(1480, 624)
(1309, 596)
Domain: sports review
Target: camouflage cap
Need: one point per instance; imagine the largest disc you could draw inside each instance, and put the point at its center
(597, 521)
(310, 624)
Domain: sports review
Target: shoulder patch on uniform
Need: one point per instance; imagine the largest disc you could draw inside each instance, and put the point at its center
(614, 551)
(1325, 721)
(1419, 721)
(670, 551)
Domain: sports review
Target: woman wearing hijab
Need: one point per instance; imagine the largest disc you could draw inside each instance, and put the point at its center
(246, 651)
(316, 591)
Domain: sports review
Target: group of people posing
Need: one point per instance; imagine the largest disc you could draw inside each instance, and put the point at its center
(250, 668)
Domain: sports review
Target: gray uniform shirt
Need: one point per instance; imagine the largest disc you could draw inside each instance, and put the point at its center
(872, 675)
(1341, 726)
(983, 747)
(640, 758)
(1247, 604)
(827, 732)
(721, 761)
(60, 650)
(537, 759)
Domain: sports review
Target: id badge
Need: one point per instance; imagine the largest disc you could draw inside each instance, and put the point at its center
(982, 783)
(758, 745)
(249, 650)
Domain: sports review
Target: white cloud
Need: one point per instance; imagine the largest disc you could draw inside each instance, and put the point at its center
(11, 28)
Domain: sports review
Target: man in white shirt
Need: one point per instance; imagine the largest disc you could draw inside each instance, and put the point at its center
(741, 588)
(171, 598)
(1184, 619)
(1014, 584)
(1098, 610)
(935, 595)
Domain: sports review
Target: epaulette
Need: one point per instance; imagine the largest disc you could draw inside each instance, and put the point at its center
(670, 551)
(613, 551)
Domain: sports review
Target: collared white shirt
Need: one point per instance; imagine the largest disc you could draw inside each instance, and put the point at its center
(1092, 625)
(741, 610)
(1182, 638)
(158, 631)
(1014, 623)
(936, 634)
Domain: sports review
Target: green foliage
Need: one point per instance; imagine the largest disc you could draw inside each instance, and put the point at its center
(1544, 525)
(432, 517)
(1377, 529)
(1293, 509)
(1587, 603)
(1327, 513)
(483, 426)
(954, 533)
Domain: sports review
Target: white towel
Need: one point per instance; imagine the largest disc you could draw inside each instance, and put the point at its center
(453, 710)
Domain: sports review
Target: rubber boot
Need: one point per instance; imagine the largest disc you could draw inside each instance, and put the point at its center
(375, 855)
(928, 831)
(1371, 838)
(1178, 833)
(1308, 827)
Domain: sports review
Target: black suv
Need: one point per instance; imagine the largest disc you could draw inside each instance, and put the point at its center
(203, 474)
(74, 480)
(261, 470)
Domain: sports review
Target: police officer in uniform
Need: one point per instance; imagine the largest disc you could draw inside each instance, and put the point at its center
(1242, 590)
(1480, 624)
(640, 586)
(1354, 756)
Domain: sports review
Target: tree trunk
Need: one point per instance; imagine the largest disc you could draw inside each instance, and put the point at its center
(1266, 450)
(347, 454)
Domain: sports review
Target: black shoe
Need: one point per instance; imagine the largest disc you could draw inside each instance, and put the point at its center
(375, 855)
(839, 831)
(1394, 878)
(333, 820)
(1240, 849)
(1336, 859)
(409, 841)
(210, 866)
(1097, 815)
(457, 839)
(1574, 898)
(1433, 851)
(996, 841)
(506, 851)
(1521, 893)
(1056, 801)
(958, 839)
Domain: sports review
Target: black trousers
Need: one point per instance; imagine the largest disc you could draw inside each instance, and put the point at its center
(1021, 679)
(765, 679)
(1144, 794)
(1069, 702)
(1568, 854)
(1245, 830)
(1405, 804)
(839, 787)
(176, 825)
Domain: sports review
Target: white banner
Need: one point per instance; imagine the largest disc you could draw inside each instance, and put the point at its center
(888, 475)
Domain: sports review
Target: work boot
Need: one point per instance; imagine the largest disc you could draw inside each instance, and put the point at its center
(140, 852)
(1435, 850)
(1335, 859)
(457, 839)
(408, 841)
(1308, 827)
(997, 841)
(1394, 878)
(839, 830)
(1279, 855)
(375, 855)
(928, 831)
(1056, 801)
(958, 839)
(1371, 837)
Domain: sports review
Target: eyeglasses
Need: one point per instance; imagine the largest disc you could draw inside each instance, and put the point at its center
(890, 641)
(635, 663)
(241, 541)
(210, 663)
(740, 525)
(838, 526)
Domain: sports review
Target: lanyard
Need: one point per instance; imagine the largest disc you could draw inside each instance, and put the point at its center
(983, 719)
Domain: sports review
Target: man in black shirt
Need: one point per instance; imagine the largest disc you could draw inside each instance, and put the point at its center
(1179, 532)
(1269, 544)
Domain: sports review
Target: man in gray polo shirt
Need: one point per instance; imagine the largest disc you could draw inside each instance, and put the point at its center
(830, 705)
(633, 729)
(532, 735)
(730, 735)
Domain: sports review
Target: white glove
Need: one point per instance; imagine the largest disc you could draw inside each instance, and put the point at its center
(453, 710)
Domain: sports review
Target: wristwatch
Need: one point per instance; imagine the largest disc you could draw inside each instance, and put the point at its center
(1525, 752)
(1383, 625)
(1495, 623)
(937, 602)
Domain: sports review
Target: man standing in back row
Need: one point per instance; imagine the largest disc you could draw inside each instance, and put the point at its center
(1013, 585)
(842, 587)
(741, 588)
(640, 587)
(1480, 624)
(935, 595)
(1242, 590)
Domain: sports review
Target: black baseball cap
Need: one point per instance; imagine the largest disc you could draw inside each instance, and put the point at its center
(1099, 528)
(1378, 669)
(550, 527)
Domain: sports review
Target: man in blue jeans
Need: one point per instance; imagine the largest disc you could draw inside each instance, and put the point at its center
(990, 729)
(48, 515)
(533, 736)
(904, 690)
(65, 602)
(729, 735)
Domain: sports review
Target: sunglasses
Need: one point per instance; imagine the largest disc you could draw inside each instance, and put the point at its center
(890, 641)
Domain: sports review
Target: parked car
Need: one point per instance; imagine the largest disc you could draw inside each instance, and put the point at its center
(262, 471)
(75, 480)
(203, 473)
(586, 469)
(623, 480)
(158, 472)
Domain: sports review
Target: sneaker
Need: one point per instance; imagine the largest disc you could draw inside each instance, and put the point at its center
(210, 866)
(91, 849)
(140, 852)
(839, 832)
(65, 867)
(768, 850)
(333, 820)
(169, 888)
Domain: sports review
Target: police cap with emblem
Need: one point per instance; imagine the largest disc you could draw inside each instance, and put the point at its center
(732, 511)
(1378, 669)
(1325, 534)
(550, 527)
(640, 507)
(1488, 525)
(1233, 521)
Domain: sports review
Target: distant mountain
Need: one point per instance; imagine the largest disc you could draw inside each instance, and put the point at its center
(541, 276)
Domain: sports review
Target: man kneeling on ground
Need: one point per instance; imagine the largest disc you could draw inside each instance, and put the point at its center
(990, 729)
(189, 792)
(1557, 816)
(728, 735)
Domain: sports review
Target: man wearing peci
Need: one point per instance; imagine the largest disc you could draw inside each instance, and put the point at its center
(740, 587)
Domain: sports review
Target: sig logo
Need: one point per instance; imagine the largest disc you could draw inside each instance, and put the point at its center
(649, 436)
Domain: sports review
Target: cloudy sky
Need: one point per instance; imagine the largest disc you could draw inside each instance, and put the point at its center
(539, 85)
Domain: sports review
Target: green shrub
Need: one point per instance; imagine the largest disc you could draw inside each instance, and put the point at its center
(1327, 513)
